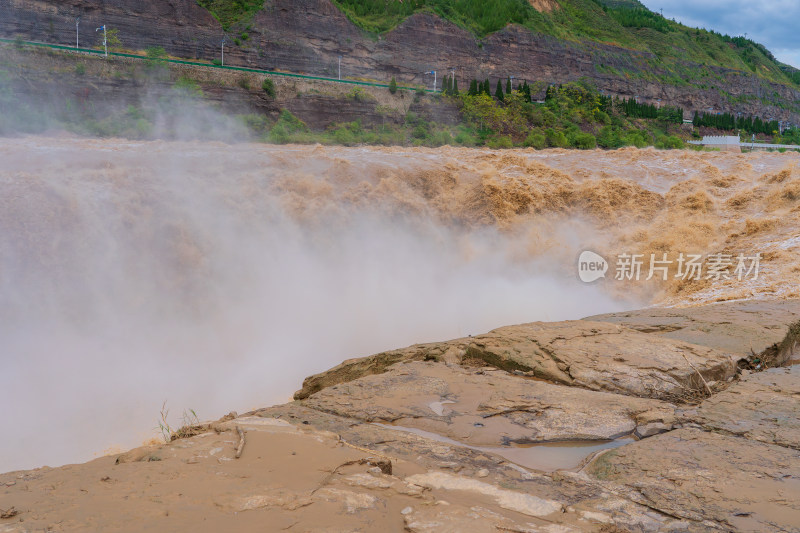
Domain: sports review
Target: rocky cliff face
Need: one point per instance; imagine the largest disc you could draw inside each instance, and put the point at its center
(310, 35)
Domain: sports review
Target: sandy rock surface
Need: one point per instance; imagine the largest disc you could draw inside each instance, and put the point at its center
(719, 482)
(592, 355)
(601, 356)
(762, 406)
(486, 406)
(554, 428)
(742, 327)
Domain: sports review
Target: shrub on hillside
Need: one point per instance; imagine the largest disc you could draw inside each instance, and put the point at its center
(535, 140)
(582, 140)
(269, 87)
(669, 142)
(555, 139)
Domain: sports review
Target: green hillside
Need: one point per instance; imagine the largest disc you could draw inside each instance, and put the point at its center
(624, 23)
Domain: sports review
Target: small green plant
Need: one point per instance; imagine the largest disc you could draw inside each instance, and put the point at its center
(190, 426)
(393, 85)
(18, 42)
(156, 53)
(188, 87)
(156, 59)
(269, 87)
(163, 424)
(244, 83)
(80, 69)
(360, 95)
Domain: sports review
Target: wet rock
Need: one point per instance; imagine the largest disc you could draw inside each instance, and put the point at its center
(602, 356)
(352, 502)
(593, 355)
(366, 366)
(490, 408)
(507, 499)
(445, 519)
(743, 328)
(727, 483)
(653, 428)
(764, 406)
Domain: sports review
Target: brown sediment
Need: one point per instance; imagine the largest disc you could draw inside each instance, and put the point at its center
(551, 203)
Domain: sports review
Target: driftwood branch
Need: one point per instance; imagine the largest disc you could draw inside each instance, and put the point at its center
(698, 373)
(240, 447)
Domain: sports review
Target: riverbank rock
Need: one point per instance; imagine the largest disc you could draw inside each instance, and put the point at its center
(764, 406)
(602, 356)
(766, 329)
(485, 406)
(593, 355)
(718, 482)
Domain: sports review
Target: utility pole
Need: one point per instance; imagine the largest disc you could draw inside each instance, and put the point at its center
(77, 21)
(223, 51)
(105, 40)
(512, 82)
(340, 68)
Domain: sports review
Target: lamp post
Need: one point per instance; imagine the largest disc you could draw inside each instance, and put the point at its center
(105, 40)
(77, 22)
(434, 79)
(340, 68)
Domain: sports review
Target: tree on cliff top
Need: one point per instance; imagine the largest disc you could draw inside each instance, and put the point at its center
(112, 40)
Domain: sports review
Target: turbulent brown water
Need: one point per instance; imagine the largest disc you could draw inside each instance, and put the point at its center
(217, 276)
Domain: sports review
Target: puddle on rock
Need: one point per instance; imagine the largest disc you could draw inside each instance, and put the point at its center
(542, 456)
(438, 407)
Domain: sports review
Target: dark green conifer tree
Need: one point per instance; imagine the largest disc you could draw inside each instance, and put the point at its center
(498, 93)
